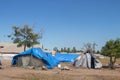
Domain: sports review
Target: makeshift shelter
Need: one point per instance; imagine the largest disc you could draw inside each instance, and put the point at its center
(87, 60)
(62, 57)
(35, 57)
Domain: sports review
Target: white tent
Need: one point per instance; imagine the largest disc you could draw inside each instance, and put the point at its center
(87, 60)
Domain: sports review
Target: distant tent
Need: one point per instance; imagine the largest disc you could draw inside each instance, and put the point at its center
(87, 60)
(35, 57)
(62, 57)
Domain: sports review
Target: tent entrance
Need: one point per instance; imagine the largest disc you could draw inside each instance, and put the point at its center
(29, 60)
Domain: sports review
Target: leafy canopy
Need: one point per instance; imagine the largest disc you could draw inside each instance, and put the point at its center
(24, 36)
(112, 48)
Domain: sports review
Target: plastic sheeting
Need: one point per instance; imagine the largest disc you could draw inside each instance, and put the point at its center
(62, 57)
(87, 60)
(49, 60)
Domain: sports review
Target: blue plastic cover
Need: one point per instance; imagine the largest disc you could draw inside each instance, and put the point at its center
(49, 60)
(62, 57)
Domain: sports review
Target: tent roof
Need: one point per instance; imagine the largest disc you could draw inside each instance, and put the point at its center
(49, 60)
(62, 57)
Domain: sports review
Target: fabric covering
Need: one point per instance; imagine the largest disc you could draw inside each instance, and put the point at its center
(87, 60)
(62, 57)
(49, 60)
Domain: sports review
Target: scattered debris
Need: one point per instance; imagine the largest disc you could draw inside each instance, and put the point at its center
(65, 68)
(44, 68)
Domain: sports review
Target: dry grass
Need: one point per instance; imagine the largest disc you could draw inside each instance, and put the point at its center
(81, 75)
(15, 73)
(107, 60)
(48, 77)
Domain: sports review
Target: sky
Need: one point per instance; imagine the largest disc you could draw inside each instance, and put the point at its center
(64, 23)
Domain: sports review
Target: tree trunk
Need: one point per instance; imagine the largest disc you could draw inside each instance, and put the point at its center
(25, 47)
(112, 62)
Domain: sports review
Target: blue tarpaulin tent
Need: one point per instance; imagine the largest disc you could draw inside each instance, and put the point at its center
(62, 57)
(49, 60)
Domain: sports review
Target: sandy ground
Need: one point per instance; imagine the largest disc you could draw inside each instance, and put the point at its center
(16, 73)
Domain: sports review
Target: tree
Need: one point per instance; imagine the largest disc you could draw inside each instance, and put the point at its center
(74, 50)
(90, 47)
(98, 52)
(62, 50)
(42, 47)
(24, 36)
(65, 50)
(112, 49)
(68, 50)
(55, 49)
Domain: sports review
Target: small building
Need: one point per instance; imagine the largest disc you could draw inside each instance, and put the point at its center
(8, 50)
